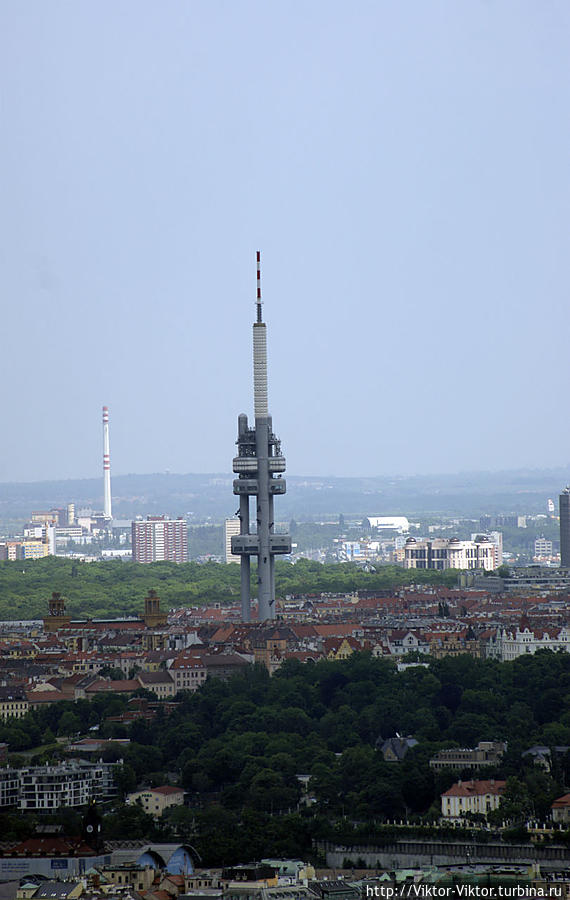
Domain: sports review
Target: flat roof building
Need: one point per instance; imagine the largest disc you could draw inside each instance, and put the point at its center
(160, 538)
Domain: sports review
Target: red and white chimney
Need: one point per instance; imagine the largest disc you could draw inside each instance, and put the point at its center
(106, 466)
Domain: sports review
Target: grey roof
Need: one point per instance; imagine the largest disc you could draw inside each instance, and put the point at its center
(56, 889)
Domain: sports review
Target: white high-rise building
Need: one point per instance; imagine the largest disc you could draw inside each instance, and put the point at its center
(160, 538)
(231, 528)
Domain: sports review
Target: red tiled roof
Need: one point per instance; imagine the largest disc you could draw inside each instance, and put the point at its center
(52, 846)
(475, 788)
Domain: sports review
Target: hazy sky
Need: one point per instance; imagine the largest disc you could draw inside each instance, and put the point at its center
(404, 168)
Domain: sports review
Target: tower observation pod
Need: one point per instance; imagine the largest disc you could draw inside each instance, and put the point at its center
(258, 465)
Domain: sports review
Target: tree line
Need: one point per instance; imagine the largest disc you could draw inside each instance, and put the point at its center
(239, 747)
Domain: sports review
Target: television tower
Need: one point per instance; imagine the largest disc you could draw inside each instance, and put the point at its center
(259, 465)
(106, 466)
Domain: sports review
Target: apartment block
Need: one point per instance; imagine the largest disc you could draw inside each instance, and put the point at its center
(160, 539)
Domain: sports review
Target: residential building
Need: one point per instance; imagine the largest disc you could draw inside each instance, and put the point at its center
(508, 643)
(160, 683)
(69, 784)
(160, 538)
(542, 548)
(155, 800)
(138, 878)
(9, 787)
(231, 529)
(189, 673)
(471, 797)
(13, 703)
(394, 749)
(561, 809)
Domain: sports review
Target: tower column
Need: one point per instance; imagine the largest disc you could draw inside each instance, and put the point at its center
(259, 459)
(264, 591)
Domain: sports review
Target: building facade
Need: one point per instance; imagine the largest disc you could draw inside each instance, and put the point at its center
(69, 784)
(450, 553)
(13, 703)
(155, 800)
(486, 753)
(160, 539)
(471, 797)
(508, 643)
(231, 529)
(564, 507)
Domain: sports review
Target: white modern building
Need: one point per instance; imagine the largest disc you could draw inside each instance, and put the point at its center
(496, 538)
(450, 553)
(231, 529)
(69, 784)
(393, 523)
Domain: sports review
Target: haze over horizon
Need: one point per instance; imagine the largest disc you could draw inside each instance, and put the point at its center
(404, 173)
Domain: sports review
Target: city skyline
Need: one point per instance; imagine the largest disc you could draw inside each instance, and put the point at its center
(403, 171)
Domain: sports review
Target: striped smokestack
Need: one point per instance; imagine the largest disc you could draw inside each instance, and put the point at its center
(106, 466)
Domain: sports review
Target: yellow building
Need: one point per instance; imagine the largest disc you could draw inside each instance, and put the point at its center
(160, 683)
(338, 648)
(155, 800)
(139, 878)
(13, 703)
(472, 797)
(34, 549)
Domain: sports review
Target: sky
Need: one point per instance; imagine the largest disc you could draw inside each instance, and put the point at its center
(404, 170)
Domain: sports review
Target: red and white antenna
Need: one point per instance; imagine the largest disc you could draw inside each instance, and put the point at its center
(106, 466)
(259, 319)
(259, 354)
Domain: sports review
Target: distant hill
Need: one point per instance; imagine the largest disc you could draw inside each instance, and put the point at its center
(210, 497)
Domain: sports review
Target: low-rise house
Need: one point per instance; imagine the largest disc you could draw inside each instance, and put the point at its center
(471, 797)
(155, 800)
(542, 756)
(561, 809)
(401, 641)
(394, 749)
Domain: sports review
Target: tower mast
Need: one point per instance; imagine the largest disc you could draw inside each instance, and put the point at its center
(259, 465)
